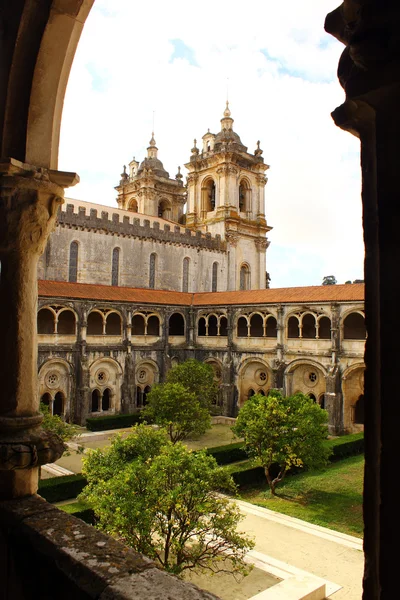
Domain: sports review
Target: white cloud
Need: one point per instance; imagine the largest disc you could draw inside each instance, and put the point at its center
(282, 87)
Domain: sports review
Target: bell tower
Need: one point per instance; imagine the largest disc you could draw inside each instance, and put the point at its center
(226, 186)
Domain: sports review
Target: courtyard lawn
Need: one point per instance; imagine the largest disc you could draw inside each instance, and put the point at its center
(331, 497)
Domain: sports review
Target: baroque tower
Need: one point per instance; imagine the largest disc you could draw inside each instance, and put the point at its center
(226, 197)
(148, 189)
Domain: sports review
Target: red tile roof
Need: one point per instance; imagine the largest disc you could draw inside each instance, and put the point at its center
(319, 293)
(89, 291)
(316, 293)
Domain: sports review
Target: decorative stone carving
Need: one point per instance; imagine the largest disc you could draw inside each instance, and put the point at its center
(261, 244)
(232, 238)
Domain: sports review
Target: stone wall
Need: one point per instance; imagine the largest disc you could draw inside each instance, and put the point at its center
(136, 238)
(246, 360)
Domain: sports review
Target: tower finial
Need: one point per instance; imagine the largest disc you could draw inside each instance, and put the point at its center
(227, 112)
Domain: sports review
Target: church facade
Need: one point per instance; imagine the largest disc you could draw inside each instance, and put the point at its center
(125, 293)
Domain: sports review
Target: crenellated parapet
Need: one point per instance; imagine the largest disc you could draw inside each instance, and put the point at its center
(80, 217)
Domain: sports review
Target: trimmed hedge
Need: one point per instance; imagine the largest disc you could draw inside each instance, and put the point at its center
(224, 455)
(81, 511)
(113, 422)
(342, 447)
(56, 489)
(347, 445)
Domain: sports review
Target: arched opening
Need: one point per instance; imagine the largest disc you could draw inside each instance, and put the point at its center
(185, 274)
(214, 284)
(244, 277)
(58, 404)
(95, 324)
(45, 321)
(164, 209)
(256, 326)
(201, 327)
(153, 325)
(244, 197)
(105, 401)
(312, 397)
(115, 267)
(73, 262)
(293, 327)
(113, 324)
(146, 391)
(354, 327)
(176, 324)
(138, 325)
(223, 326)
(359, 410)
(66, 323)
(133, 206)
(242, 327)
(46, 399)
(250, 393)
(271, 329)
(321, 401)
(152, 271)
(309, 330)
(139, 397)
(324, 330)
(208, 193)
(261, 392)
(212, 325)
(95, 407)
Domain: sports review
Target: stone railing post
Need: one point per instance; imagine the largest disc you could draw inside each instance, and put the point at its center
(29, 199)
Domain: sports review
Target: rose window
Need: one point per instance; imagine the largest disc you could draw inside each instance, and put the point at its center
(142, 375)
(312, 377)
(52, 379)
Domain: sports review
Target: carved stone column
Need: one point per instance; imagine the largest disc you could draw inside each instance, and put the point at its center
(369, 72)
(29, 199)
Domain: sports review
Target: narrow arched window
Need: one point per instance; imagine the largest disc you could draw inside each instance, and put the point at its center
(185, 275)
(152, 272)
(214, 285)
(115, 267)
(73, 262)
(244, 277)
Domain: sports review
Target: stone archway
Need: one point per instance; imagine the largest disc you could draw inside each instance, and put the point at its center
(306, 377)
(55, 383)
(105, 376)
(353, 389)
(255, 376)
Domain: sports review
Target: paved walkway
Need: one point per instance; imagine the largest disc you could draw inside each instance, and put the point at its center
(333, 556)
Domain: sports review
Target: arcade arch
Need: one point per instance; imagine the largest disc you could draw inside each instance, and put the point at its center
(55, 386)
(105, 385)
(306, 377)
(353, 398)
(146, 375)
(255, 377)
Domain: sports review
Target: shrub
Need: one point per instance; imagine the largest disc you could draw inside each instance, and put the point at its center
(224, 455)
(57, 489)
(80, 511)
(113, 422)
(345, 446)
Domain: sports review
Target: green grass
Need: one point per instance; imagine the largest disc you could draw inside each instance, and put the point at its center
(330, 497)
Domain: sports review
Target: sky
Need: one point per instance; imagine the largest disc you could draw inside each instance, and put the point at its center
(175, 62)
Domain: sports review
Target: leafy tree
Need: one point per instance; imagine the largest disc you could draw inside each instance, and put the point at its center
(329, 280)
(165, 503)
(54, 423)
(198, 378)
(173, 406)
(285, 431)
(143, 443)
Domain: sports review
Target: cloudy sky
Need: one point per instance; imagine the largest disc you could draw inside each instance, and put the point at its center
(177, 59)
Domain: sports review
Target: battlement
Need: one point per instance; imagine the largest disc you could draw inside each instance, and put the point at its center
(138, 226)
